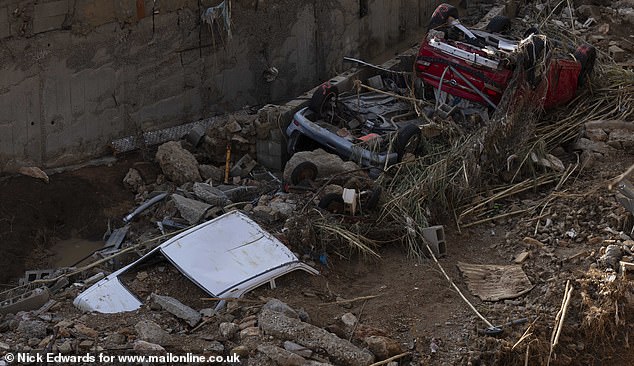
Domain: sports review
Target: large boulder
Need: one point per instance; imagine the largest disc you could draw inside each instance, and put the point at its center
(178, 164)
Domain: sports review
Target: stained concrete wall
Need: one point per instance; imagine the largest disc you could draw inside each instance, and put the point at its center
(76, 74)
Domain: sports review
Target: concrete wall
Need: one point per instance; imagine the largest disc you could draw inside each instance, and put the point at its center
(76, 74)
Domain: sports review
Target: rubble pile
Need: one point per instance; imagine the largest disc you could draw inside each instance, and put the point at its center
(270, 333)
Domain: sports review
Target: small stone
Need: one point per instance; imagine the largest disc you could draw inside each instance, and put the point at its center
(249, 332)
(298, 349)
(86, 344)
(229, 330)
(280, 307)
(33, 342)
(216, 347)
(207, 312)
(521, 257)
(242, 351)
(149, 331)
(248, 324)
(65, 348)
(116, 338)
(133, 180)
(86, 331)
(143, 346)
(4, 347)
(281, 356)
(349, 320)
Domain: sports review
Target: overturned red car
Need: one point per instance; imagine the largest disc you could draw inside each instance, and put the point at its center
(478, 65)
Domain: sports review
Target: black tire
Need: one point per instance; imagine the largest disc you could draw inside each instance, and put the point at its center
(586, 55)
(305, 171)
(441, 15)
(333, 203)
(322, 98)
(408, 140)
(373, 198)
(499, 24)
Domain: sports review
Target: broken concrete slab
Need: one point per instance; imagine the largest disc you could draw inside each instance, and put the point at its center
(178, 164)
(191, 210)
(339, 350)
(178, 309)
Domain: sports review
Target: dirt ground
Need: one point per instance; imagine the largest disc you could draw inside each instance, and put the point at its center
(410, 301)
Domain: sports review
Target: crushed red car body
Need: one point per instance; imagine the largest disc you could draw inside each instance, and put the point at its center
(477, 65)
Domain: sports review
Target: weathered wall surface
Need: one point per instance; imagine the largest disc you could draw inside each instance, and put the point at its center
(76, 74)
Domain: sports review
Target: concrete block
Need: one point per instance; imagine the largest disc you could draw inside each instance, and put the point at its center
(5, 30)
(178, 309)
(30, 300)
(49, 16)
(435, 236)
(617, 53)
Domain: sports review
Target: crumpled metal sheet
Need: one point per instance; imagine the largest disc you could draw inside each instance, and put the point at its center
(226, 257)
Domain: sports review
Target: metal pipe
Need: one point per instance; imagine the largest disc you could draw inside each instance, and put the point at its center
(481, 94)
(159, 197)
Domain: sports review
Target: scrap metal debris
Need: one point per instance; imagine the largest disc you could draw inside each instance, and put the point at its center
(226, 257)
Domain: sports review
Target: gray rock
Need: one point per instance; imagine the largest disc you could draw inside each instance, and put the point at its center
(178, 164)
(297, 349)
(229, 330)
(116, 338)
(265, 213)
(32, 329)
(349, 320)
(65, 348)
(143, 346)
(216, 347)
(149, 331)
(4, 347)
(242, 351)
(280, 307)
(133, 180)
(281, 356)
(178, 309)
(211, 172)
(191, 210)
(612, 256)
(285, 209)
(211, 195)
(208, 312)
(340, 350)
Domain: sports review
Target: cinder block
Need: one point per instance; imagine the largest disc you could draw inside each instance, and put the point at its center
(435, 236)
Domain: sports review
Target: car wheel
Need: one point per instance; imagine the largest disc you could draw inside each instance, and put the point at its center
(332, 202)
(498, 24)
(305, 171)
(586, 55)
(408, 141)
(322, 98)
(441, 15)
